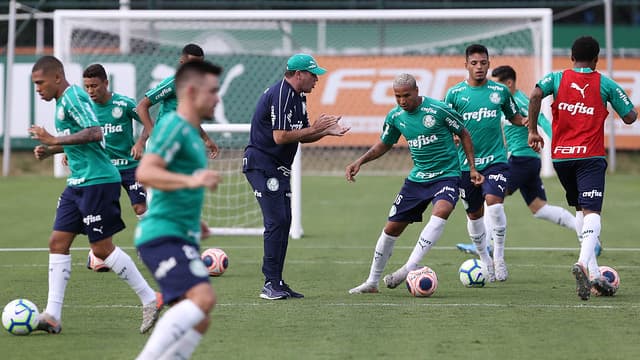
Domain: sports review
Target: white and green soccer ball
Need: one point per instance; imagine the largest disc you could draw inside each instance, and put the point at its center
(472, 273)
(20, 317)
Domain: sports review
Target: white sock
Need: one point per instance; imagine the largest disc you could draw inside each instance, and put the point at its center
(384, 249)
(488, 228)
(171, 328)
(477, 235)
(498, 219)
(557, 215)
(121, 263)
(579, 224)
(59, 273)
(428, 237)
(590, 235)
(183, 348)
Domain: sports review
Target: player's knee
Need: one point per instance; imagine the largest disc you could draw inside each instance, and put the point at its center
(139, 209)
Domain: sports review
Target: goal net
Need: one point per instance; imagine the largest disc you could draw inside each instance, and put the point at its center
(363, 51)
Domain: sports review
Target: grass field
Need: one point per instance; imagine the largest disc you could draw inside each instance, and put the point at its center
(534, 315)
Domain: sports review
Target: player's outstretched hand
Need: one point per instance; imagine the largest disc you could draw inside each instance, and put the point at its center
(337, 129)
(205, 178)
(137, 150)
(476, 178)
(39, 133)
(212, 147)
(351, 171)
(41, 152)
(536, 142)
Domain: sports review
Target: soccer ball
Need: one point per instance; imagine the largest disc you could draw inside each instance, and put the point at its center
(422, 282)
(612, 277)
(472, 273)
(95, 263)
(216, 261)
(20, 317)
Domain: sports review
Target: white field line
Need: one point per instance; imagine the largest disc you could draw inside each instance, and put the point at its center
(396, 305)
(311, 247)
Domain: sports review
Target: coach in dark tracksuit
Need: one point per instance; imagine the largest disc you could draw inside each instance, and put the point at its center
(279, 123)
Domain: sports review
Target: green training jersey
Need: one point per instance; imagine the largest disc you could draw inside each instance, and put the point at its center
(88, 163)
(175, 213)
(116, 117)
(428, 133)
(165, 94)
(518, 136)
(610, 91)
(482, 108)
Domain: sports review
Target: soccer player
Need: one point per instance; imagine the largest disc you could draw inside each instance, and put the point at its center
(524, 163)
(427, 125)
(90, 203)
(482, 103)
(577, 147)
(165, 94)
(116, 114)
(279, 124)
(174, 168)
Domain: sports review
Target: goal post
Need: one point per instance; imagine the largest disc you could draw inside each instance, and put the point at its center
(362, 49)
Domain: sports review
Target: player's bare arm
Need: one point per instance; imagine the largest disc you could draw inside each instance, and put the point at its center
(138, 148)
(535, 140)
(467, 146)
(42, 152)
(519, 120)
(84, 136)
(325, 125)
(630, 118)
(152, 172)
(374, 152)
(209, 144)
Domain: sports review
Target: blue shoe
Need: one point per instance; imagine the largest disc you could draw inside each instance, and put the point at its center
(598, 249)
(292, 294)
(270, 292)
(467, 248)
(471, 249)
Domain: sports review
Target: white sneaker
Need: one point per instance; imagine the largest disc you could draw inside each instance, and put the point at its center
(501, 270)
(150, 314)
(364, 288)
(491, 272)
(396, 278)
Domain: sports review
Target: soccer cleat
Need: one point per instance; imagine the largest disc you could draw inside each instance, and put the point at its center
(291, 292)
(583, 286)
(364, 288)
(150, 314)
(491, 272)
(603, 286)
(49, 324)
(159, 300)
(396, 278)
(471, 249)
(501, 270)
(270, 292)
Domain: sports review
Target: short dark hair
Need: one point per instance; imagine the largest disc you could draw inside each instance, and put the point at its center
(585, 48)
(48, 64)
(193, 50)
(476, 49)
(95, 71)
(504, 72)
(195, 69)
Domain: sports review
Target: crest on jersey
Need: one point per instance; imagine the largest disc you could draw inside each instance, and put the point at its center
(116, 112)
(495, 98)
(273, 184)
(428, 121)
(60, 113)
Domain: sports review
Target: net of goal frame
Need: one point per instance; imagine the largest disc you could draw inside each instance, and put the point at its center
(363, 51)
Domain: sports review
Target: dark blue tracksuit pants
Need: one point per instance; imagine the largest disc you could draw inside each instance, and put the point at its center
(273, 192)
